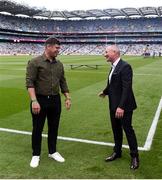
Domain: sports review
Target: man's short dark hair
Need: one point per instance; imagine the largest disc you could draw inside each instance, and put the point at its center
(52, 41)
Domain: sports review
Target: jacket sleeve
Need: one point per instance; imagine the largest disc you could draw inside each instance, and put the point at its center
(105, 91)
(126, 80)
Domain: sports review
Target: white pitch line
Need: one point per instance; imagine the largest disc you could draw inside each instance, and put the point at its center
(152, 130)
(143, 74)
(67, 138)
(146, 147)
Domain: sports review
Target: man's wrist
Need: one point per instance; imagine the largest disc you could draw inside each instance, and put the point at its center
(67, 98)
(34, 100)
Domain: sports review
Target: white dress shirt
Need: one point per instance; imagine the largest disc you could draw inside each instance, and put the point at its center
(113, 68)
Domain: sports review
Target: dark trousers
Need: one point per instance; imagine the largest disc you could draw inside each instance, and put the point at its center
(50, 108)
(117, 126)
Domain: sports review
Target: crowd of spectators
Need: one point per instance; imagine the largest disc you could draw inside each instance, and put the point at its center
(20, 48)
(82, 45)
(78, 49)
(100, 38)
(97, 25)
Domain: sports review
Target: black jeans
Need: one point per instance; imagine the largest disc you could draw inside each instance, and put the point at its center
(117, 126)
(50, 108)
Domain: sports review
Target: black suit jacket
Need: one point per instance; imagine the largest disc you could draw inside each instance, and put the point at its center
(120, 91)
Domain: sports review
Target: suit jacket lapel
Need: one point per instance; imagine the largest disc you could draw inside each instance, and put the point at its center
(115, 70)
(117, 67)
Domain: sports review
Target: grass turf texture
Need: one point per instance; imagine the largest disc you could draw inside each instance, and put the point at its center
(87, 119)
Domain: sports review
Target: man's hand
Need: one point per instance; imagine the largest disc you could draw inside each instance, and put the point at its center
(101, 94)
(35, 107)
(119, 113)
(67, 103)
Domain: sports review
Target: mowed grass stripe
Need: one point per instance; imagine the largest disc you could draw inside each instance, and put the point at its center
(8, 77)
(88, 119)
(89, 95)
(89, 91)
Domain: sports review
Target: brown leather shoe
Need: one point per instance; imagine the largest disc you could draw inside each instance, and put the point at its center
(113, 157)
(134, 163)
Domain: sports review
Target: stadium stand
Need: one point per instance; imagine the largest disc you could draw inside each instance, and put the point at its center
(135, 36)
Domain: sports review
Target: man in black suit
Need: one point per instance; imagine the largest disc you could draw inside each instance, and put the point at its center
(121, 104)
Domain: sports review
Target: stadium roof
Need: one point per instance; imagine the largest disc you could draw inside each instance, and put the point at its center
(14, 9)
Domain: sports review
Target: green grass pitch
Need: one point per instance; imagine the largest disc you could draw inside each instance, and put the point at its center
(87, 119)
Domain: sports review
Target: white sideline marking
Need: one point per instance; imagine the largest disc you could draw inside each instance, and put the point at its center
(145, 74)
(146, 147)
(66, 138)
(152, 130)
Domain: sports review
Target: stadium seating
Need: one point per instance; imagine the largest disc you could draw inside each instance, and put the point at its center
(133, 35)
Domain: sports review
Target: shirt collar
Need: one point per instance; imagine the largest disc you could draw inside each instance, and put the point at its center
(115, 63)
(46, 59)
